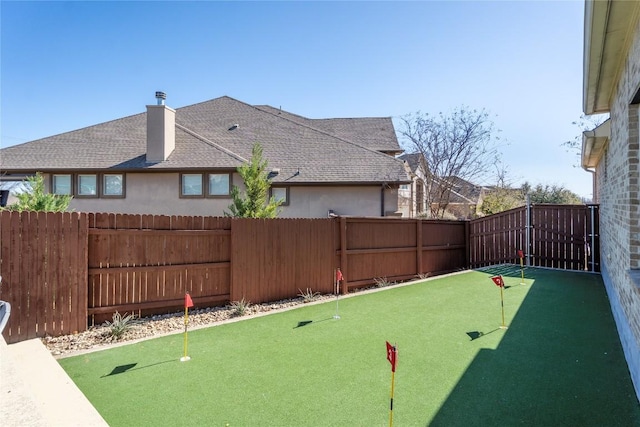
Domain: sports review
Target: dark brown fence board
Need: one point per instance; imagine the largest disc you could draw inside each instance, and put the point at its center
(137, 262)
(43, 311)
(43, 273)
(497, 238)
(278, 258)
(558, 237)
(398, 249)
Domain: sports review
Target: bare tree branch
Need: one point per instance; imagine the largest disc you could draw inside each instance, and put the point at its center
(583, 123)
(459, 144)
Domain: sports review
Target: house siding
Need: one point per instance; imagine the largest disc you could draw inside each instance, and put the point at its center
(617, 182)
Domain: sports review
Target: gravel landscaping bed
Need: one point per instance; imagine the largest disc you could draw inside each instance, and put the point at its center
(147, 327)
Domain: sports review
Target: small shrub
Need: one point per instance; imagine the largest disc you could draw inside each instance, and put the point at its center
(382, 282)
(239, 308)
(120, 324)
(308, 295)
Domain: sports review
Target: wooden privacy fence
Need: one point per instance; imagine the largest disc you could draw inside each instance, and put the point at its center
(61, 272)
(398, 249)
(279, 258)
(556, 236)
(43, 264)
(144, 264)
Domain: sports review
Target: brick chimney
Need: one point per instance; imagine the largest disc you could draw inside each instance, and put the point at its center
(161, 130)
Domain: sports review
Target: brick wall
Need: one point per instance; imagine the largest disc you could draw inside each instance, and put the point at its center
(618, 186)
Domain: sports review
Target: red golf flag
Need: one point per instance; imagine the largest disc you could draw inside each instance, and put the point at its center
(498, 281)
(520, 254)
(339, 277)
(391, 356)
(187, 301)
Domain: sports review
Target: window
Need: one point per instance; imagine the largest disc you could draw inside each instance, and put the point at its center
(61, 184)
(281, 194)
(219, 184)
(113, 185)
(191, 185)
(87, 185)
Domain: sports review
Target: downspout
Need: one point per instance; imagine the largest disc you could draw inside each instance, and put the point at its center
(382, 199)
(594, 188)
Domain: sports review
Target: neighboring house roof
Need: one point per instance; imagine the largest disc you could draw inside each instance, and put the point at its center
(413, 161)
(304, 152)
(376, 133)
(463, 191)
(606, 43)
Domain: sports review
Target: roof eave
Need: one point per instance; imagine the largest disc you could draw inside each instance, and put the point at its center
(608, 30)
(593, 144)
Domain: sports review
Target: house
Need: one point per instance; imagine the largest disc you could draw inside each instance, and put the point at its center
(465, 198)
(611, 152)
(412, 197)
(424, 195)
(184, 161)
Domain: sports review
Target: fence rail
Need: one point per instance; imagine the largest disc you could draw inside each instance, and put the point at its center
(62, 272)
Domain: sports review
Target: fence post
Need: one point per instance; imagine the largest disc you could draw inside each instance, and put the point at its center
(467, 243)
(528, 232)
(418, 246)
(592, 238)
(343, 253)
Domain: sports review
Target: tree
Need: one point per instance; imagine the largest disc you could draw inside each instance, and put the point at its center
(501, 199)
(503, 196)
(459, 144)
(37, 199)
(255, 203)
(556, 194)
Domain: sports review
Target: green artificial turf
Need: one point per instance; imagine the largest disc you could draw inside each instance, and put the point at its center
(559, 362)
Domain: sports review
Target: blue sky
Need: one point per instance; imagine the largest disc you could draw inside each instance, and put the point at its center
(67, 65)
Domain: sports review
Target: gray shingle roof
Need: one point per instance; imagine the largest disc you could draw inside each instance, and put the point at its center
(376, 133)
(323, 151)
(412, 159)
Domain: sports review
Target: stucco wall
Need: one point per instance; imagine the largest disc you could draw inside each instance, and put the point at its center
(315, 202)
(158, 194)
(617, 181)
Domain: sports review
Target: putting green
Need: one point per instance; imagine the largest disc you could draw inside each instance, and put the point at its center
(559, 362)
